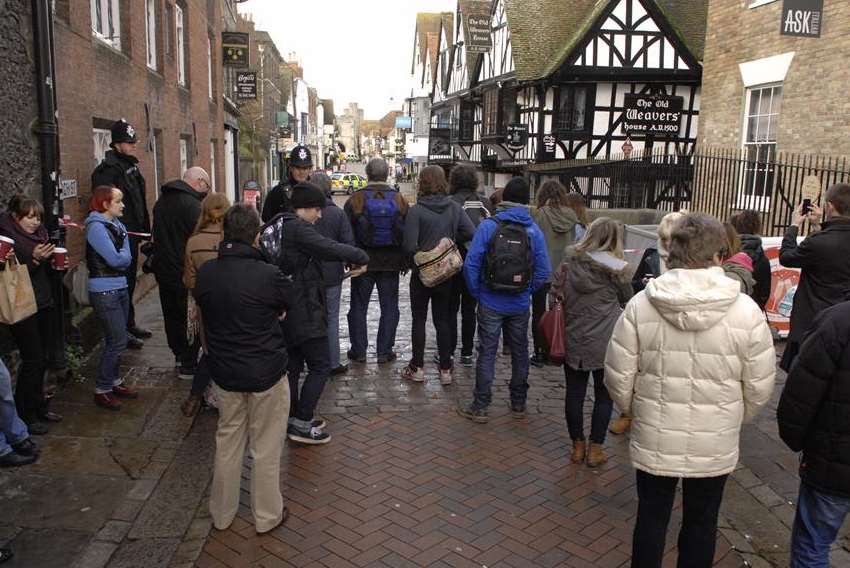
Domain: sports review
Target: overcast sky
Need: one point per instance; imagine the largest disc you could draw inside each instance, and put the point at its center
(351, 50)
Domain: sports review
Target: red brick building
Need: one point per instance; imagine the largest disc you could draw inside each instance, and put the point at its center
(155, 63)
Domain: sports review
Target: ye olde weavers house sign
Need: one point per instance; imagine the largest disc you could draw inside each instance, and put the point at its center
(652, 115)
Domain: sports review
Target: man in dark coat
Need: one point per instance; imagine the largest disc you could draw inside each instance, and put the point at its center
(120, 168)
(386, 262)
(278, 199)
(292, 242)
(175, 215)
(814, 417)
(823, 260)
(242, 298)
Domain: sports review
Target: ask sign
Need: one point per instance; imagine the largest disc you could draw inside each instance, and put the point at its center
(802, 18)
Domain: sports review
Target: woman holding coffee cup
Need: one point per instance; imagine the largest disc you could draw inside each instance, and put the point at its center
(22, 225)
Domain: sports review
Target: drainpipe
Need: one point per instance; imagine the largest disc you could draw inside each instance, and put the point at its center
(47, 131)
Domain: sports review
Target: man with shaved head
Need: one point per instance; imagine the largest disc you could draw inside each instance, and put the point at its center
(174, 218)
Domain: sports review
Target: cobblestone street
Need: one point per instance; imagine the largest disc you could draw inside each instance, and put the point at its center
(405, 482)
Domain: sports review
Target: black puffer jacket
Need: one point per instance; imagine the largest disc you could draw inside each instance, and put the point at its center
(122, 171)
(814, 411)
(825, 275)
(751, 244)
(299, 249)
(241, 298)
(174, 218)
(277, 201)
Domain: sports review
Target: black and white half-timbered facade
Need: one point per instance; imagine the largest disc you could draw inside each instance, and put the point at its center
(567, 83)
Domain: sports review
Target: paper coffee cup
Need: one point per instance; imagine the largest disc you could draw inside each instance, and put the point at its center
(6, 244)
(60, 257)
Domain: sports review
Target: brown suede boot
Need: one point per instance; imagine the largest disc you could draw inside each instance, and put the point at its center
(579, 449)
(596, 457)
(621, 425)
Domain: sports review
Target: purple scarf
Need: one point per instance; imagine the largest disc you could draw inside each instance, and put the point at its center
(24, 242)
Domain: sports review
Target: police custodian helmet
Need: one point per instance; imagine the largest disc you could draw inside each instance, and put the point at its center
(300, 157)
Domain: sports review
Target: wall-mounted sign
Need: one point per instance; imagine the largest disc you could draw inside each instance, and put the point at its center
(547, 149)
(439, 143)
(802, 18)
(516, 136)
(652, 115)
(235, 48)
(67, 188)
(246, 85)
(477, 31)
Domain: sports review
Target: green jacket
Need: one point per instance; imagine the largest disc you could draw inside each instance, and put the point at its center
(558, 225)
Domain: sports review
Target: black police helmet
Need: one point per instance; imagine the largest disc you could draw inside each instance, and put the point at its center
(300, 157)
(123, 131)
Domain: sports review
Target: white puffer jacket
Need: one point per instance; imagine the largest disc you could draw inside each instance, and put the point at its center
(691, 358)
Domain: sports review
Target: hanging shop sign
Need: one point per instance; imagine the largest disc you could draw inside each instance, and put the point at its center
(802, 18)
(477, 32)
(439, 143)
(246, 86)
(235, 49)
(516, 136)
(652, 115)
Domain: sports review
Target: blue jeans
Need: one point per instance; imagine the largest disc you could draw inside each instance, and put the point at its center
(332, 297)
(515, 328)
(361, 292)
(816, 524)
(111, 308)
(12, 428)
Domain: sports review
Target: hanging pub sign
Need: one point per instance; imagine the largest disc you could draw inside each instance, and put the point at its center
(516, 136)
(235, 48)
(476, 18)
(802, 18)
(246, 85)
(439, 143)
(547, 149)
(652, 115)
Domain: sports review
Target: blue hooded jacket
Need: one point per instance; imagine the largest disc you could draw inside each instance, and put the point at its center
(473, 268)
(98, 237)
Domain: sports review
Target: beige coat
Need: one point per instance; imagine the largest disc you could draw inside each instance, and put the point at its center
(199, 249)
(691, 358)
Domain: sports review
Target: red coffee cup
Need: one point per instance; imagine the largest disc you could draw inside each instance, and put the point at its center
(6, 244)
(60, 258)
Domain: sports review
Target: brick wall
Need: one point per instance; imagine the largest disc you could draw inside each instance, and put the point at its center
(815, 116)
(96, 81)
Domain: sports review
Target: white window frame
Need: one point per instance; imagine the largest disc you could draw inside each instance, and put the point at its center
(748, 197)
(184, 156)
(210, 66)
(155, 166)
(101, 137)
(150, 33)
(180, 45)
(106, 21)
(212, 165)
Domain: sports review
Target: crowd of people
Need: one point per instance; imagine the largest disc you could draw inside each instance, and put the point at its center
(680, 345)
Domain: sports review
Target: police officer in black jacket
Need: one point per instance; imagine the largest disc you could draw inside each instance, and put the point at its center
(279, 198)
(814, 417)
(292, 242)
(120, 168)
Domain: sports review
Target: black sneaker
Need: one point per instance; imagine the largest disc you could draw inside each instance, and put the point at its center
(140, 332)
(185, 372)
(518, 411)
(37, 428)
(14, 459)
(26, 448)
(466, 360)
(538, 361)
(355, 359)
(387, 357)
(313, 436)
(318, 422)
(341, 370)
(134, 342)
(477, 415)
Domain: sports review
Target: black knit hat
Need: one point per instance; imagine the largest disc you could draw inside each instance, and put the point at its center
(300, 157)
(517, 191)
(123, 131)
(305, 195)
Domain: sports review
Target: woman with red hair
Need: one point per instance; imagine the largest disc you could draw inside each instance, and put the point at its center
(108, 257)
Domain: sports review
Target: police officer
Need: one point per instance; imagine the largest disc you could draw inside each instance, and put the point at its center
(278, 200)
(120, 168)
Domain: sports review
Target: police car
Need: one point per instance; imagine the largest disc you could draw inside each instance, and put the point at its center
(342, 182)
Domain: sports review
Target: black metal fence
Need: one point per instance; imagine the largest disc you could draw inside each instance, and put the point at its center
(715, 181)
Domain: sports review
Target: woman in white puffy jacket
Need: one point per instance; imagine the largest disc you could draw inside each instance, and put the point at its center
(691, 359)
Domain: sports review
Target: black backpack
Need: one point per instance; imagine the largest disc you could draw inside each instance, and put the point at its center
(509, 263)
